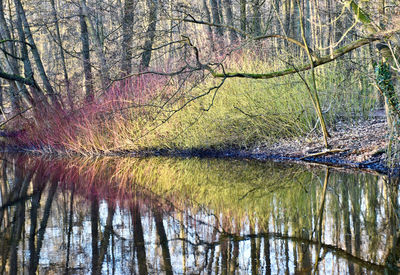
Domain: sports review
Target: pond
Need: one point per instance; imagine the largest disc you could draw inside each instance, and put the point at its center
(193, 216)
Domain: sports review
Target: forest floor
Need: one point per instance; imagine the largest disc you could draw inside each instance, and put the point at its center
(361, 144)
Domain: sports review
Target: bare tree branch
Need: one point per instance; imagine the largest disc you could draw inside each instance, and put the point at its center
(320, 61)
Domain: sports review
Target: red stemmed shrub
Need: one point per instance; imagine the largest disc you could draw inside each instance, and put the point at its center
(92, 121)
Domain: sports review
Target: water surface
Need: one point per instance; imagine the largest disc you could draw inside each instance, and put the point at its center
(193, 216)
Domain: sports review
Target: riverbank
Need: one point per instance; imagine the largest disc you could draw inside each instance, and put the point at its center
(360, 145)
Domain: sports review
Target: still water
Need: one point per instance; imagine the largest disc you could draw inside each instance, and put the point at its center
(193, 216)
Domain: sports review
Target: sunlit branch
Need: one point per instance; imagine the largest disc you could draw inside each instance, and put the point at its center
(320, 61)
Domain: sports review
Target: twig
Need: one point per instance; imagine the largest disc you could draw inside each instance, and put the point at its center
(20, 113)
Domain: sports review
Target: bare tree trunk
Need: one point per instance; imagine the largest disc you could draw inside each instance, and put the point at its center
(220, 14)
(36, 56)
(295, 20)
(34, 261)
(35, 204)
(94, 222)
(243, 16)
(313, 90)
(171, 30)
(152, 6)
(277, 23)
(12, 66)
(331, 39)
(15, 98)
(70, 227)
(19, 218)
(287, 20)
(315, 29)
(62, 57)
(127, 37)
(209, 29)
(39, 99)
(216, 19)
(1, 98)
(229, 20)
(108, 229)
(319, 24)
(138, 239)
(256, 5)
(87, 69)
(104, 70)
(294, 24)
(158, 218)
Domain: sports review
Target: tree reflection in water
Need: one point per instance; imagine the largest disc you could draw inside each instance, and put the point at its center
(191, 216)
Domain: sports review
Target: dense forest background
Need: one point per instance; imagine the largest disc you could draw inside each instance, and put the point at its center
(99, 76)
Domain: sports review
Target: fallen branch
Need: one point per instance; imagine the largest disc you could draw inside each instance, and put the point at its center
(332, 151)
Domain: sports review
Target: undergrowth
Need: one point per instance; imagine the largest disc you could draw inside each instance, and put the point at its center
(189, 111)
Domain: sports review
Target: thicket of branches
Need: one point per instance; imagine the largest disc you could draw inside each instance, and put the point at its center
(63, 54)
(52, 50)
